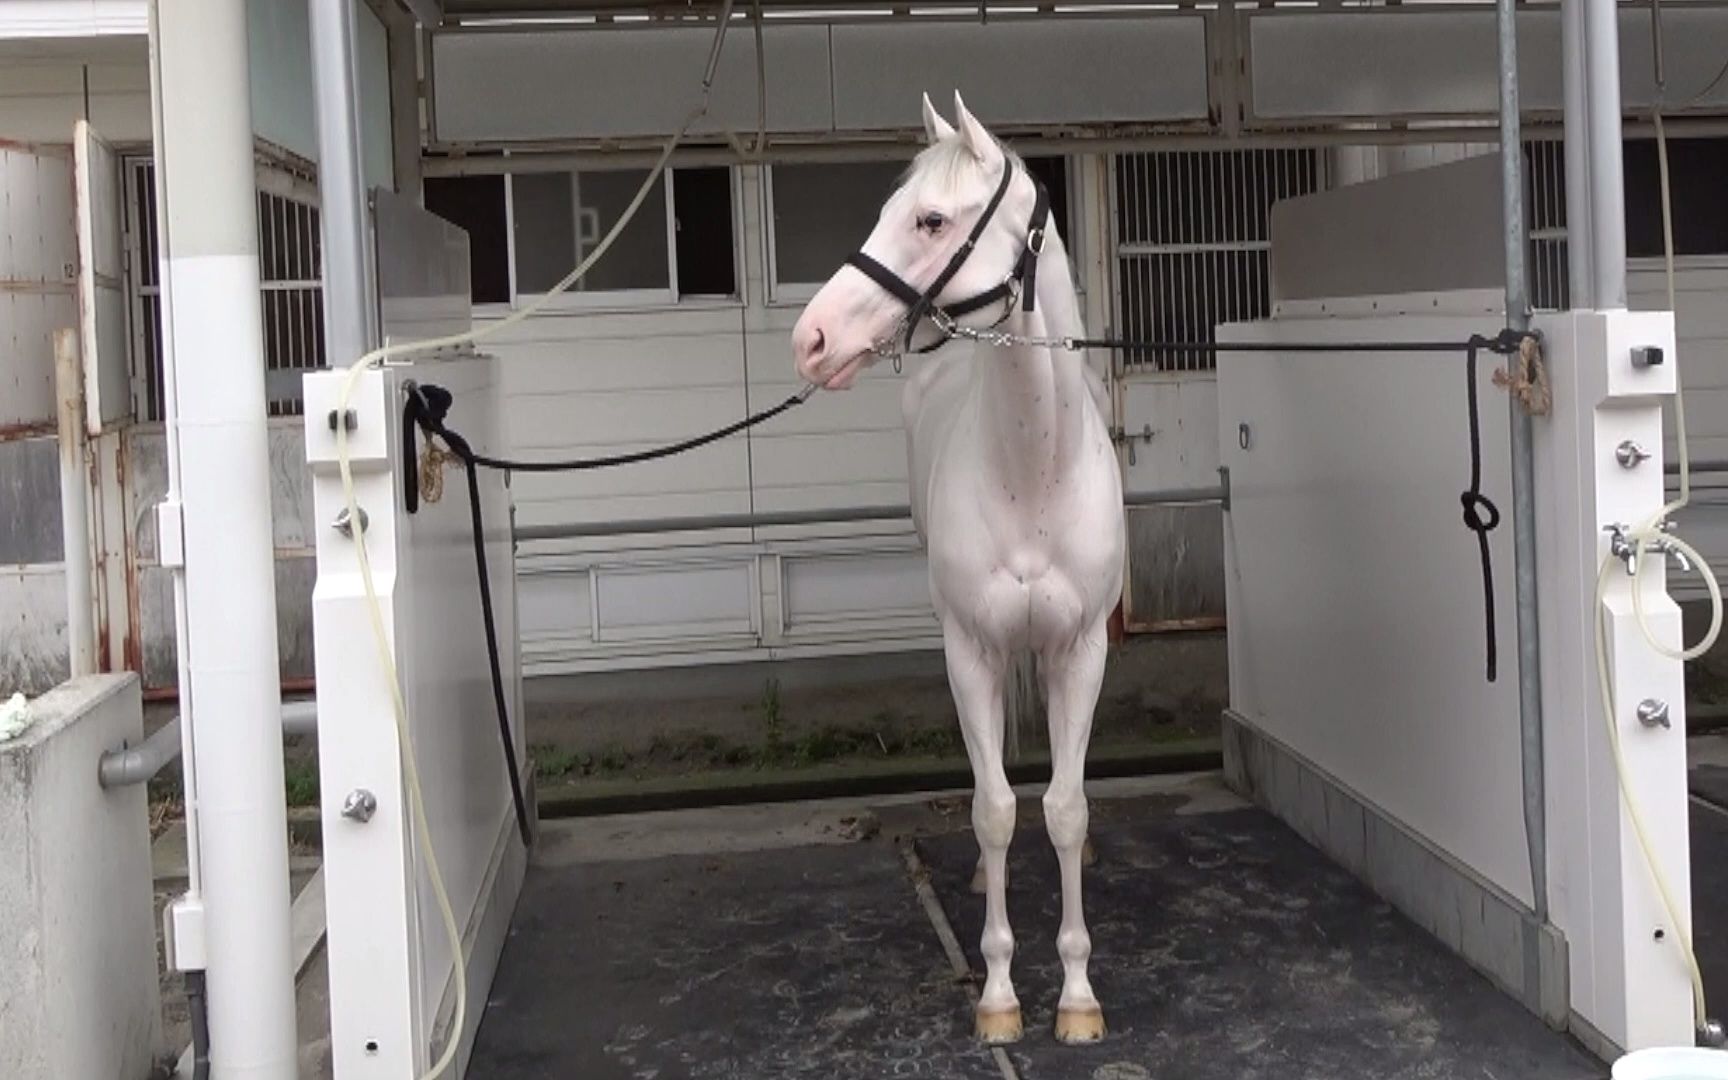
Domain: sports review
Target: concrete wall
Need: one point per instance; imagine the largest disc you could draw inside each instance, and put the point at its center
(78, 979)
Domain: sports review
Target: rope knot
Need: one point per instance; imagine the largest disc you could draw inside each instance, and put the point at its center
(1474, 504)
(1529, 384)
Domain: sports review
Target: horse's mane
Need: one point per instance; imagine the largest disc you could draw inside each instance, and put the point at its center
(950, 165)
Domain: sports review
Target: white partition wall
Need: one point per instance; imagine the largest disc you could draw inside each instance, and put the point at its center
(1357, 632)
(391, 989)
(1361, 707)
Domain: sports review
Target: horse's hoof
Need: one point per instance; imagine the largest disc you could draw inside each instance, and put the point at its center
(1088, 853)
(997, 1026)
(1078, 1026)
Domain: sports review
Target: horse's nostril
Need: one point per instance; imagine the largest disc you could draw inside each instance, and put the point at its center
(817, 343)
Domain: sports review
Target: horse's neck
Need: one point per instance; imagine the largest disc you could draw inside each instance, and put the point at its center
(1035, 399)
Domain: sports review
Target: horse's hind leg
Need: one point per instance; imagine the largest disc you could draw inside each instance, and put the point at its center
(976, 681)
(1075, 679)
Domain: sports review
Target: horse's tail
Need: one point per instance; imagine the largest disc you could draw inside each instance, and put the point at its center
(1020, 704)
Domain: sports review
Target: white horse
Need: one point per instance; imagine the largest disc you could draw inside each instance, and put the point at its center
(1015, 491)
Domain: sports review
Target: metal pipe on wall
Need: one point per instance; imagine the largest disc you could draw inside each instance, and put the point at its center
(75, 507)
(214, 372)
(1523, 472)
(140, 764)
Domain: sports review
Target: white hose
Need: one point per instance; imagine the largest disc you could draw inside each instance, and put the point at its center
(381, 638)
(1643, 536)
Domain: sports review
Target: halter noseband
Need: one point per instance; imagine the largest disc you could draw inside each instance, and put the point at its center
(1022, 281)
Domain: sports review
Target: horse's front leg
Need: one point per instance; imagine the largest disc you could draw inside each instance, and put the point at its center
(976, 678)
(1075, 678)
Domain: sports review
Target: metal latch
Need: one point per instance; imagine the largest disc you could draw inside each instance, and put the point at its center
(1120, 435)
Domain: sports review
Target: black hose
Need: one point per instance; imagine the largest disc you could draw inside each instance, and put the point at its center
(425, 407)
(200, 1017)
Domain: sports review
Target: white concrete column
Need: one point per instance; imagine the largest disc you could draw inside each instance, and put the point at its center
(230, 694)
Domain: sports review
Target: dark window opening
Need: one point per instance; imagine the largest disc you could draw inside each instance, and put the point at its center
(1697, 174)
(1053, 173)
(476, 205)
(702, 205)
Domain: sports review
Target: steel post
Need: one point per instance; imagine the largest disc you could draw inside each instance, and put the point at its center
(350, 322)
(1523, 472)
(1607, 213)
(1580, 250)
(219, 507)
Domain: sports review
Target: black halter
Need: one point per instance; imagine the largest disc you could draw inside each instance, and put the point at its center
(1023, 278)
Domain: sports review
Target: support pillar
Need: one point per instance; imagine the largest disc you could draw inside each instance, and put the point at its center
(1529, 666)
(217, 518)
(350, 326)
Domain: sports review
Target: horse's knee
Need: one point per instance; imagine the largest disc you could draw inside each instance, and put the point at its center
(993, 818)
(1066, 817)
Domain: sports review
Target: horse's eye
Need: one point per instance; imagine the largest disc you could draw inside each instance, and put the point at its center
(931, 221)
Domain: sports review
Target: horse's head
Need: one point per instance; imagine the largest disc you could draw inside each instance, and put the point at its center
(951, 186)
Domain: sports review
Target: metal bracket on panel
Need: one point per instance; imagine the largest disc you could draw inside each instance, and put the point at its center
(170, 536)
(183, 934)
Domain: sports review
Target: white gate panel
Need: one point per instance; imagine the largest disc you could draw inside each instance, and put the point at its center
(390, 959)
(1355, 592)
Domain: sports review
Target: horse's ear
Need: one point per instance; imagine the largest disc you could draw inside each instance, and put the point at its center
(979, 141)
(935, 128)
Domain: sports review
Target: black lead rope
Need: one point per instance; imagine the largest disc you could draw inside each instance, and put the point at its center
(424, 410)
(427, 406)
(1475, 503)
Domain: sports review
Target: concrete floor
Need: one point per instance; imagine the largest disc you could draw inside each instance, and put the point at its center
(798, 947)
(788, 940)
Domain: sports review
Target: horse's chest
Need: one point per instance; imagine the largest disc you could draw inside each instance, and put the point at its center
(1018, 572)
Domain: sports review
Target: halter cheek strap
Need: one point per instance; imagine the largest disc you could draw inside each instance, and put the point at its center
(1023, 277)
